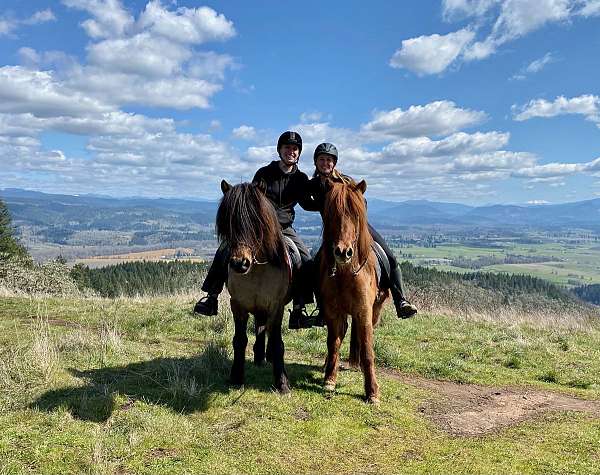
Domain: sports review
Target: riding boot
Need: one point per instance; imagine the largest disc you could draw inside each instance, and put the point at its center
(404, 309)
(208, 305)
(214, 282)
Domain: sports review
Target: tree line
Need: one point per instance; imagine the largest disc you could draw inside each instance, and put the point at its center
(589, 293)
(141, 278)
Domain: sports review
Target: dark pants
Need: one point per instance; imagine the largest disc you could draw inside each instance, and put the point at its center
(302, 283)
(396, 286)
(302, 292)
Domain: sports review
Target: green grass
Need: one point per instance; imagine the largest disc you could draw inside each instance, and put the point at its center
(140, 386)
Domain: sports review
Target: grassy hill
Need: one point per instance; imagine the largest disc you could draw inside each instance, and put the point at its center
(139, 385)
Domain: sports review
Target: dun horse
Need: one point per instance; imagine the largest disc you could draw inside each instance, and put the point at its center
(348, 283)
(259, 279)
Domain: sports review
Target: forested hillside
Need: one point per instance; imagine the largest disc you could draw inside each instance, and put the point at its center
(589, 293)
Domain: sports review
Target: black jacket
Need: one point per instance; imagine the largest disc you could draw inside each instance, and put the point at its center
(315, 194)
(284, 190)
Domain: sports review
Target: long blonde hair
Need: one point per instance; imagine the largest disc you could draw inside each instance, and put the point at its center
(335, 176)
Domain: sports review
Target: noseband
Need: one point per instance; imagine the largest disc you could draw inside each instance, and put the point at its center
(354, 272)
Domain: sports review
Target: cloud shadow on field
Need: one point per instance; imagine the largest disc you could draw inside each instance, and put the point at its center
(185, 385)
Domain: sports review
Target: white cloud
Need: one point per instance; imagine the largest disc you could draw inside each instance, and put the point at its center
(431, 54)
(210, 65)
(7, 26)
(550, 170)
(456, 9)
(307, 117)
(36, 92)
(41, 16)
(539, 64)
(186, 25)
(435, 118)
(518, 18)
(538, 202)
(151, 61)
(455, 144)
(10, 24)
(141, 54)
(589, 8)
(587, 105)
(110, 17)
(509, 20)
(534, 67)
(244, 132)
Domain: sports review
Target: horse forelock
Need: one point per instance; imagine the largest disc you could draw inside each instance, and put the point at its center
(246, 218)
(345, 202)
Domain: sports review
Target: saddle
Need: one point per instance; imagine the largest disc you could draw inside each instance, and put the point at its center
(294, 260)
(293, 252)
(382, 266)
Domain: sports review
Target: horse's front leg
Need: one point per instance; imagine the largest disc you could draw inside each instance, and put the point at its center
(364, 326)
(336, 329)
(276, 350)
(240, 340)
(260, 331)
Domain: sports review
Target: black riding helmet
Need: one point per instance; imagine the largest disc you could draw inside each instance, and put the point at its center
(290, 138)
(326, 148)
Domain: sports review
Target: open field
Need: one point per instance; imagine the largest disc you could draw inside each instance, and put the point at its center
(568, 264)
(140, 386)
(165, 255)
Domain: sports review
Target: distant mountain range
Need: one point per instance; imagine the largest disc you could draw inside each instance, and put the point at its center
(81, 212)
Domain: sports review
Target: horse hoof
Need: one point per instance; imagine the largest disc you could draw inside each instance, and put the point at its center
(329, 386)
(284, 391)
(374, 401)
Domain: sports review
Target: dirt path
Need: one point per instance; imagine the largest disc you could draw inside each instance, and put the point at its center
(472, 410)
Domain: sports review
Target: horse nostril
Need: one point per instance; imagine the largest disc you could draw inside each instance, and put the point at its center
(349, 253)
(338, 252)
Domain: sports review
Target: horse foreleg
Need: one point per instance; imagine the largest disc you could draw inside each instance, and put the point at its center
(367, 356)
(336, 329)
(354, 358)
(277, 350)
(240, 340)
(259, 344)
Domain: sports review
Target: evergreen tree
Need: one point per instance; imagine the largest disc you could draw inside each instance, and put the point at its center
(8, 243)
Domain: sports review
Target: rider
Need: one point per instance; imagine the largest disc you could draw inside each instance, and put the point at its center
(285, 187)
(325, 158)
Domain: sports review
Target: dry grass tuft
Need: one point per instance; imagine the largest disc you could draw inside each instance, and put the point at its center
(474, 303)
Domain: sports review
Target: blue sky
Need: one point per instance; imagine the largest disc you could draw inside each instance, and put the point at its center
(472, 101)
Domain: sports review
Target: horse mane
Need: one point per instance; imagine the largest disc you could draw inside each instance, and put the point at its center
(245, 216)
(345, 201)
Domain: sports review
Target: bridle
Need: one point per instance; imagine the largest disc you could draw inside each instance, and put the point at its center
(354, 272)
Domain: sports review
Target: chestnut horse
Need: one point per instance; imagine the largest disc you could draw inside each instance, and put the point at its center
(258, 278)
(348, 283)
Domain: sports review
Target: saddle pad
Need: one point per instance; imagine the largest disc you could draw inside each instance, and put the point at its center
(293, 252)
(382, 268)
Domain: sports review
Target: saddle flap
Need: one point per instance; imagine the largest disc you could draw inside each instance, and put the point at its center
(293, 252)
(383, 266)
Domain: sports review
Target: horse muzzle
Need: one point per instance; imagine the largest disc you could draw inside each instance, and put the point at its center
(343, 256)
(241, 266)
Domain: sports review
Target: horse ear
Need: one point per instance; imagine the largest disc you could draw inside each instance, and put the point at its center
(225, 187)
(362, 186)
(261, 185)
(327, 184)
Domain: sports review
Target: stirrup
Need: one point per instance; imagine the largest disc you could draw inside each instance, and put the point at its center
(316, 318)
